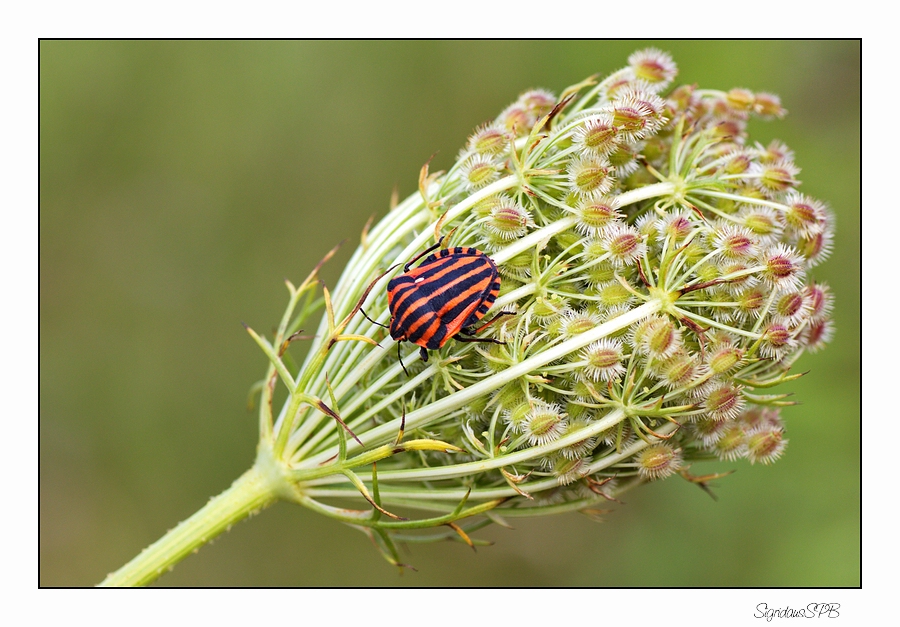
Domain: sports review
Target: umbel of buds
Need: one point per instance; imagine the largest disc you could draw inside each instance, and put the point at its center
(654, 266)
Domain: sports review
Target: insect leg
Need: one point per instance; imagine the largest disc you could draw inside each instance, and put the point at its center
(486, 340)
(471, 331)
(400, 359)
(423, 253)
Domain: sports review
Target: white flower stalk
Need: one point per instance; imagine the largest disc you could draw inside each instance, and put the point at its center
(654, 266)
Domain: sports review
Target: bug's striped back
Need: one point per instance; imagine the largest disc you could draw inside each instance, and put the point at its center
(450, 290)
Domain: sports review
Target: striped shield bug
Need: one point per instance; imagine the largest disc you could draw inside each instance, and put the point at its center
(442, 297)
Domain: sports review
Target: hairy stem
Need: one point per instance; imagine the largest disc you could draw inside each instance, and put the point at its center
(257, 488)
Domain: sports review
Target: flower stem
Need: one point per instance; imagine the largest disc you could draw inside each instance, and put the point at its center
(257, 488)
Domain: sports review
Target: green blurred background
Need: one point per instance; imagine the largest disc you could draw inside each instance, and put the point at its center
(181, 182)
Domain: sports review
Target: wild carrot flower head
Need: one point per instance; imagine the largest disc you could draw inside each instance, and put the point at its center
(654, 268)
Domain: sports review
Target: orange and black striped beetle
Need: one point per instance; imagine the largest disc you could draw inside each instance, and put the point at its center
(442, 297)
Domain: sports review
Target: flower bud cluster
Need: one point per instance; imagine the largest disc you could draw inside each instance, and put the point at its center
(655, 266)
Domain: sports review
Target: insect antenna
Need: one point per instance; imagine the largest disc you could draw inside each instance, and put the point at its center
(383, 326)
(365, 294)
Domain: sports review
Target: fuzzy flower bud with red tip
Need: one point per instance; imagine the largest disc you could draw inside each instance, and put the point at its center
(582, 448)
(654, 67)
(679, 370)
(624, 244)
(740, 99)
(783, 267)
(657, 336)
(707, 431)
(637, 114)
(763, 222)
(777, 341)
(804, 216)
(723, 402)
(479, 172)
(820, 300)
(779, 176)
(734, 242)
(749, 302)
(489, 140)
(765, 444)
(568, 470)
(732, 442)
(676, 225)
(737, 162)
(591, 177)
(544, 423)
(538, 102)
(574, 322)
(816, 247)
(516, 119)
(768, 106)
(658, 461)
(817, 334)
(604, 360)
(791, 308)
(775, 151)
(595, 215)
(597, 136)
(723, 357)
(508, 220)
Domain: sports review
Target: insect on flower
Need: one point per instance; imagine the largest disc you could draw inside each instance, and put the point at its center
(442, 297)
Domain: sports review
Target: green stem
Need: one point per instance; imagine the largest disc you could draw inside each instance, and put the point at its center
(257, 488)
